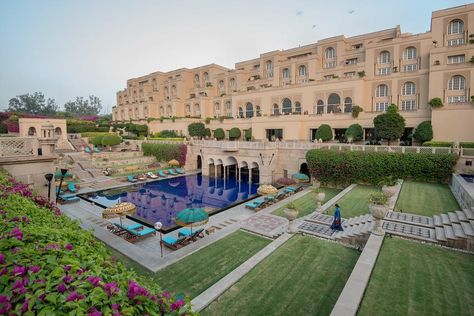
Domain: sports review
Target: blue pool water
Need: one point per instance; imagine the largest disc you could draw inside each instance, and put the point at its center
(159, 201)
(468, 178)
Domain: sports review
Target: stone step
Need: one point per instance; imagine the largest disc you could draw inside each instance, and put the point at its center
(469, 214)
(462, 217)
(437, 220)
(322, 219)
(439, 231)
(410, 231)
(316, 229)
(458, 231)
(468, 229)
(449, 232)
(445, 219)
(411, 219)
(453, 217)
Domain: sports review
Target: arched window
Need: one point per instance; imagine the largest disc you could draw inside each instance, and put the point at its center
(333, 103)
(286, 73)
(297, 107)
(249, 110)
(57, 131)
(166, 91)
(169, 111)
(286, 107)
(32, 131)
(233, 86)
(217, 109)
(258, 111)
(408, 88)
(228, 108)
(347, 105)
(410, 53)
(162, 111)
(457, 83)
(269, 68)
(302, 70)
(241, 112)
(320, 107)
(197, 109)
(221, 85)
(188, 109)
(456, 27)
(381, 91)
(384, 57)
(205, 77)
(330, 53)
(276, 109)
(173, 91)
(196, 79)
(155, 85)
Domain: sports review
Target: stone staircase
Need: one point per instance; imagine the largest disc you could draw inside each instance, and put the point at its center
(455, 229)
(78, 143)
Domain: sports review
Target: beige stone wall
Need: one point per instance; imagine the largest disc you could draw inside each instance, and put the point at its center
(454, 123)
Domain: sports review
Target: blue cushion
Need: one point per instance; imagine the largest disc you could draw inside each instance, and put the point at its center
(185, 232)
(169, 240)
(134, 226)
(144, 232)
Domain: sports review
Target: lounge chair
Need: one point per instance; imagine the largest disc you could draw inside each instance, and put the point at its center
(186, 232)
(71, 187)
(255, 205)
(179, 170)
(171, 172)
(87, 150)
(175, 243)
(161, 174)
(131, 179)
(96, 150)
(68, 198)
(151, 175)
(129, 227)
(141, 177)
(133, 235)
(269, 198)
(280, 194)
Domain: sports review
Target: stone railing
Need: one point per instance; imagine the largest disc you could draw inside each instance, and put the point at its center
(18, 146)
(467, 152)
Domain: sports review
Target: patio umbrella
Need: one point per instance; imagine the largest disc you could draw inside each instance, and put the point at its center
(173, 162)
(266, 189)
(300, 177)
(119, 210)
(192, 217)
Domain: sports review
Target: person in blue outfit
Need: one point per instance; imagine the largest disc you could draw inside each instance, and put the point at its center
(337, 222)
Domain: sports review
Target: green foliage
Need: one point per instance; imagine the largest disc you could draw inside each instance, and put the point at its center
(291, 206)
(392, 108)
(82, 106)
(424, 132)
(162, 152)
(97, 140)
(196, 129)
(361, 73)
(80, 126)
(356, 110)
(219, 134)
(207, 132)
(235, 133)
(166, 134)
(248, 134)
(176, 139)
(390, 125)
(111, 140)
(93, 134)
(435, 103)
(3, 128)
(355, 132)
(388, 180)
(438, 144)
(466, 145)
(324, 132)
(32, 103)
(138, 129)
(378, 198)
(208, 120)
(334, 167)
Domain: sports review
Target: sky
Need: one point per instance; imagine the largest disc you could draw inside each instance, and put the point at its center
(67, 48)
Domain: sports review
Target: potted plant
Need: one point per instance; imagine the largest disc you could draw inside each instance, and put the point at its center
(389, 186)
(291, 214)
(319, 196)
(378, 208)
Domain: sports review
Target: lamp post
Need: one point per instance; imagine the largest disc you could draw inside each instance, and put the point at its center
(158, 226)
(63, 173)
(49, 177)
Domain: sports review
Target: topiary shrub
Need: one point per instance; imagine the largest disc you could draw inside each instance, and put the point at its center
(234, 133)
(219, 134)
(435, 103)
(207, 132)
(97, 140)
(196, 129)
(248, 134)
(166, 134)
(437, 144)
(111, 140)
(390, 125)
(356, 110)
(324, 132)
(424, 132)
(208, 120)
(355, 132)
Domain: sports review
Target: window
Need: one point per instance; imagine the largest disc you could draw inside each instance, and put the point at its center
(196, 79)
(384, 71)
(228, 107)
(233, 85)
(221, 85)
(206, 77)
(350, 74)
(456, 42)
(302, 70)
(155, 85)
(286, 73)
(333, 103)
(456, 59)
(276, 109)
(166, 92)
(347, 105)
(328, 77)
(408, 88)
(330, 53)
(286, 108)
(381, 106)
(249, 110)
(456, 27)
(408, 105)
(330, 64)
(173, 91)
(297, 107)
(188, 109)
(217, 109)
(384, 57)
(169, 111)
(269, 68)
(351, 61)
(241, 112)
(456, 99)
(197, 109)
(258, 111)
(410, 53)
(410, 68)
(457, 83)
(381, 91)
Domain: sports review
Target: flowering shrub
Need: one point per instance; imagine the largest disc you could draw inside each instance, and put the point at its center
(48, 265)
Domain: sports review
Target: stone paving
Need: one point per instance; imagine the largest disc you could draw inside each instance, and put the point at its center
(410, 218)
(316, 229)
(265, 224)
(411, 231)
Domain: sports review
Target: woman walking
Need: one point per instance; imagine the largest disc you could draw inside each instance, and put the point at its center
(337, 222)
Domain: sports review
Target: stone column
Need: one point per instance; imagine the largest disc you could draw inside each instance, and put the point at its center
(250, 175)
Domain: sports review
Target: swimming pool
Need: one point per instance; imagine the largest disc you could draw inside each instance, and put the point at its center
(468, 177)
(160, 200)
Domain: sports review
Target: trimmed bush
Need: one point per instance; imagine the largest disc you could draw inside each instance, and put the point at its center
(207, 132)
(390, 125)
(435, 103)
(208, 120)
(235, 133)
(248, 134)
(94, 134)
(166, 152)
(356, 110)
(466, 145)
(437, 144)
(424, 132)
(111, 140)
(175, 139)
(324, 132)
(167, 134)
(355, 131)
(335, 167)
(196, 129)
(138, 129)
(219, 134)
(3, 128)
(97, 140)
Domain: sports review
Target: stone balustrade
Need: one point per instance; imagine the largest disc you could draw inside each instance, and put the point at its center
(18, 147)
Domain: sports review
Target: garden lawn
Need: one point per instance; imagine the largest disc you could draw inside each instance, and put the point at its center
(411, 278)
(426, 198)
(303, 277)
(196, 273)
(355, 202)
(307, 203)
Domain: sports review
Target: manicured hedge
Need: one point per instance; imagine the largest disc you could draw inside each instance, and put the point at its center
(355, 131)
(235, 133)
(175, 139)
(93, 134)
(111, 140)
(466, 145)
(335, 167)
(166, 152)
(438, 144)
(51, 266)
(97, 140)
(424, 132)
(196, 129)
(219, 134)
(324, 133)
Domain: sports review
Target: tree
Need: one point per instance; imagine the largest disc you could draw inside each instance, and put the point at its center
(234, 133)
(111, 140)
(324, 132)
(82, 106)
(354, 132)
(33, 103)
(424, 132)
(390, 125)
(196, 129)
(219, 134)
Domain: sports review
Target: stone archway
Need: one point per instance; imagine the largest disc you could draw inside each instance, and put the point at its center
(199, 162)
(32, 131)
(305, 170)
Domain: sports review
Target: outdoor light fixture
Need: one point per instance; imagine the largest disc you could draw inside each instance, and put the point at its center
(63, 173)
(261, 159)
(158, 226)
(49, 177)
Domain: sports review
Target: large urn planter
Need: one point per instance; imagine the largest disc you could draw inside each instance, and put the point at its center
(320, 198)
(389, 190)
(291, 214)
(379, 209)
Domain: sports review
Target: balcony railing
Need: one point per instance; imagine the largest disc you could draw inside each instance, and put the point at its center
(18, 146)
